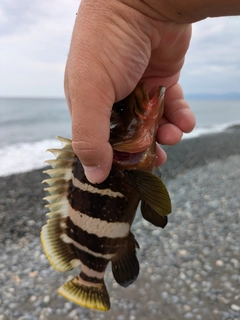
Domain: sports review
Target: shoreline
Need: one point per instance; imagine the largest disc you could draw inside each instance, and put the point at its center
(191, 152)
(196, 152)
(14, 156)
(189, 270)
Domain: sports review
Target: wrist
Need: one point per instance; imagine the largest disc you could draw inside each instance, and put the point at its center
(185, 11)
(189, 11)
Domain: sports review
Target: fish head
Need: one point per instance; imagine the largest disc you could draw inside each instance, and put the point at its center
(133, 126)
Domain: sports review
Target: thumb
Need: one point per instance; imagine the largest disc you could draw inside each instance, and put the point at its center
(90, 95)
(90, 131)
(95, 156)
(98, 73)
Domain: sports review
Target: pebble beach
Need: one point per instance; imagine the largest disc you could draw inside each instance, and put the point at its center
(189, 270)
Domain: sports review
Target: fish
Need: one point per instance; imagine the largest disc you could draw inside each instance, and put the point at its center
(89, 225)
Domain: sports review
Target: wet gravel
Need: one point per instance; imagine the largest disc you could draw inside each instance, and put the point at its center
(189, 270)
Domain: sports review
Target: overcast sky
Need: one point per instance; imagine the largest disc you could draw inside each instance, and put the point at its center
(35, 37)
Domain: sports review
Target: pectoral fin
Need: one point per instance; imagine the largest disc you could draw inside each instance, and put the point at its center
(152, 216)
(151, 189)
(125, 266)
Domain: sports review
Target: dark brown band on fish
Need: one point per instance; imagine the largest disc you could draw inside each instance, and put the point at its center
(96, 263)
(103, 245)
(85, 277)
(78, 173)
(92, 205)
(103, 207)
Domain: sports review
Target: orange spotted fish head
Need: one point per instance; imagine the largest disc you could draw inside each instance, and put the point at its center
(134, 123)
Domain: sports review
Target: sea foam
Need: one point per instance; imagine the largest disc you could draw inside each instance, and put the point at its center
(25, 156)
(200, 131)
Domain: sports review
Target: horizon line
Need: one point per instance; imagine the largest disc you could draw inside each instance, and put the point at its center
(200, 96)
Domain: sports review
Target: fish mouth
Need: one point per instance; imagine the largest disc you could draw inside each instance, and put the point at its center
(127, 158)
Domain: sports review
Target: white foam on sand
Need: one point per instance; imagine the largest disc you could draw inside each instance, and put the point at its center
(200, 131)
(25, 156)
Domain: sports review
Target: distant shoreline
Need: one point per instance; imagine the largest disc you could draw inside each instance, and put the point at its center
(188, 96)
(196, 152)
(216, 97)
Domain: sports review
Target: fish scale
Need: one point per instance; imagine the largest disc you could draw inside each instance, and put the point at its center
(89, 225)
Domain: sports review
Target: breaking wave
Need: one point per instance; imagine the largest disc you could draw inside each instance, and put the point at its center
(27, 156)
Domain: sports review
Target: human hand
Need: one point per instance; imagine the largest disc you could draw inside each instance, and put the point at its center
(114, 46)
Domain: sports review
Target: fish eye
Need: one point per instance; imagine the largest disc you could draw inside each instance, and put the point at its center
(119, 108)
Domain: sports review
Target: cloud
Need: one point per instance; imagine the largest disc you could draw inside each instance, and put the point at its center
(212, 63)
(35, 37)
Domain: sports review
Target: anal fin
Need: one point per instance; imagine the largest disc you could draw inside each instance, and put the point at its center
(93, 296)
(125, 266)
(152, 216)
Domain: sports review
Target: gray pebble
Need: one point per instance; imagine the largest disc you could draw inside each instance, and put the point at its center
(185, 268)
(188, 315)
(235, 307)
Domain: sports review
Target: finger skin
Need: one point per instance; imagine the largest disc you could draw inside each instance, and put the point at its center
(161, 156)
(115, 44)
(109, 54)
(178, 117)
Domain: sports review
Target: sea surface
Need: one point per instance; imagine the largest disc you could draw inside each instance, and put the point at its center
(28, 127)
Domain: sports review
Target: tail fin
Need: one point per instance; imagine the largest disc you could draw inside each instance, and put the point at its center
(88, 295)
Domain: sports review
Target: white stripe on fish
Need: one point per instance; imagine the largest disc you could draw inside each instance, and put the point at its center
(92, 273)
(65, 238)
(100, 228)
(87, 187)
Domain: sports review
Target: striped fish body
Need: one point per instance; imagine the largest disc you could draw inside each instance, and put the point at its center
(90, 227)
(89, 224)
(106, 213)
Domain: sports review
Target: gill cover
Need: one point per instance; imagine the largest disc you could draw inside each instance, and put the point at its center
(134, 120)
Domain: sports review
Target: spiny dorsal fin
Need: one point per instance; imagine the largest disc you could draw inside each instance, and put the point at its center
(66, 143)
(59, 163)
(61, 255)
(62, 153)
(59, 173)
(55, 182)
(56, 190)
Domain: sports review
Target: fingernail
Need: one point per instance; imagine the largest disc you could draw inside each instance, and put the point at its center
(93, 174)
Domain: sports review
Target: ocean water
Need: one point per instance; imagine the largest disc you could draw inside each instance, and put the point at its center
(214, 116)
(29, 126)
